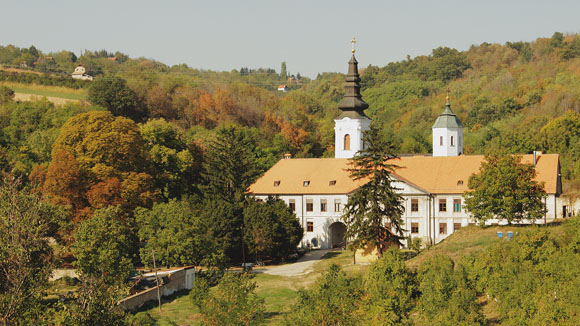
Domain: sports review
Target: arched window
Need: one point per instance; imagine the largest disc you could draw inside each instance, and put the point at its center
(440, 140)
(347, 142)
(452, 141)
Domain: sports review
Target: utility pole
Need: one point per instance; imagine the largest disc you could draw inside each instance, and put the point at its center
(157, 279)
(243, 250)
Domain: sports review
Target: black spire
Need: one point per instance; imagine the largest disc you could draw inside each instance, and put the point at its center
(352, 105)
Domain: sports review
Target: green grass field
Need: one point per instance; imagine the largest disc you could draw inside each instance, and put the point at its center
(49, 91)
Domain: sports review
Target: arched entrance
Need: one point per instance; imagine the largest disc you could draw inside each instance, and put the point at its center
(337, 230)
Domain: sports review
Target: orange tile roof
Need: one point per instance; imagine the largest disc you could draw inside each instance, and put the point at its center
(439, 175)
(319, 171)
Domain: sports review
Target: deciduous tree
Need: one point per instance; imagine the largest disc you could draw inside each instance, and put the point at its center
(102, 247)
(505, 189)
(177, 235)
(26, 259)
(232, 302)
(270, 228)
(113, 94)
(98, 138)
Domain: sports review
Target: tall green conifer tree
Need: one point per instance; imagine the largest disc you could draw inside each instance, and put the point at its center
(376, 205)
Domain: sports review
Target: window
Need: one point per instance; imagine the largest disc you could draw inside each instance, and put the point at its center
(414, 227)
(309, 205)
(457, 205)
(452, 141)
(347, 142)
(306, 183)
(460, 182)
(332, 183)
(442, 228)
(276, 183)
(442, 205)
(309, 226)
(414, 205)
(337, 205)
(292, 204)
(440, 140)
(456, 226)
(323, 205)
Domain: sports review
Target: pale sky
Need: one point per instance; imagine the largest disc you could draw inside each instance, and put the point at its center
(311, 36)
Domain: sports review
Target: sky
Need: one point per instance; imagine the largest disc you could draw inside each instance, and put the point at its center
(310, 36)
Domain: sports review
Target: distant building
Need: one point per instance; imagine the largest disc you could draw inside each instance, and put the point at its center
(432, 186)
(81, 73)
(283, 88)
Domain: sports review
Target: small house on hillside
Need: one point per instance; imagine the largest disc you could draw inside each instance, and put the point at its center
(81, 73)
(283, 88)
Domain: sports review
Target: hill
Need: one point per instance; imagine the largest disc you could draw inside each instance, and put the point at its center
(519, 96)
(474, 239)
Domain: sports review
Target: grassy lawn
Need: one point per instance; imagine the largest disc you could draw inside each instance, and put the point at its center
(279, 293)
(49, 91)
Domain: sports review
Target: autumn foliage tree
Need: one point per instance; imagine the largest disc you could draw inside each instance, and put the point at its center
(99, 160)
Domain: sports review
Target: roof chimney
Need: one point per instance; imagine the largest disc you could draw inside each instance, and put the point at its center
(537, 155)
(287, 156)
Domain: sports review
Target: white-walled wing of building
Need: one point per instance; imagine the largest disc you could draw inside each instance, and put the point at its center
(432, 187)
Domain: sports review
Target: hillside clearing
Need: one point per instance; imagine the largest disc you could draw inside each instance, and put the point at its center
(472, 239)
(46, 91)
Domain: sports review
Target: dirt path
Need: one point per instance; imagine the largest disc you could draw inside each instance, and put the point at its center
(301, 267)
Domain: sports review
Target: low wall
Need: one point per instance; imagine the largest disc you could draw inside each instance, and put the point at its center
(178, 280)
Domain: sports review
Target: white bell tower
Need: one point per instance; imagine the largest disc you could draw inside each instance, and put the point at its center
(447, 133)
(350, 125)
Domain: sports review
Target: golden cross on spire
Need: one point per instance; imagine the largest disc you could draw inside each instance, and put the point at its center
(353, 41)
(447, 98)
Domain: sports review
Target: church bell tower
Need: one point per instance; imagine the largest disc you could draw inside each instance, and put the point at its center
(349, 126)
(447, 133)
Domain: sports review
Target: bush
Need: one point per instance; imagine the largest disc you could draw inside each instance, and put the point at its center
(232, 302)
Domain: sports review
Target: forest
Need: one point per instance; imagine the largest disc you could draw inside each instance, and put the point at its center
(106, 177)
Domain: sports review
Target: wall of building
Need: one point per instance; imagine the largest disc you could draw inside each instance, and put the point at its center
(321, 220)
(434, 223)
(447, 149)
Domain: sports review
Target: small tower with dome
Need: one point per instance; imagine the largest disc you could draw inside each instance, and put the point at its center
(447, 133)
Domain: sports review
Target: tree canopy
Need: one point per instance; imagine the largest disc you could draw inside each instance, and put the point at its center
(113, 94)
(505, 188)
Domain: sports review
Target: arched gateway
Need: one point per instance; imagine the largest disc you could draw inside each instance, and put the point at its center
(337, 231)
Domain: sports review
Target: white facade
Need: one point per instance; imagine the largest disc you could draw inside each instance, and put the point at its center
(431, 217)
(316, 214)
(348, 136)
(447, 141)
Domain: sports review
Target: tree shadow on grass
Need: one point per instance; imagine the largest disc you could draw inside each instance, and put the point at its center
(331, 254)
